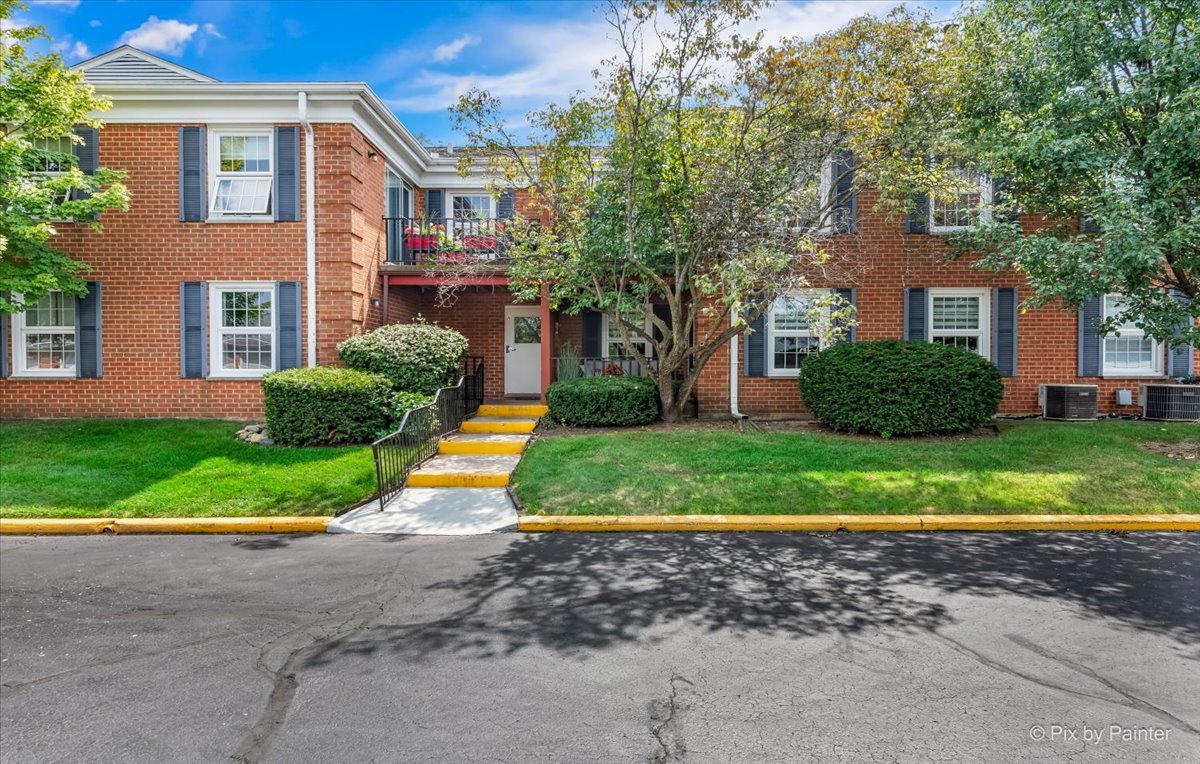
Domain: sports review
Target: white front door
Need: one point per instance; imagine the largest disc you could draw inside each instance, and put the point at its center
(522, 350)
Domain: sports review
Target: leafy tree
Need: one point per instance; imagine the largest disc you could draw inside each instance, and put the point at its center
(1092, 109)
(695, 175)
(41, 101)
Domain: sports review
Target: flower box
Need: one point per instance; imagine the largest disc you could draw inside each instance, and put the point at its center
(421, 242)
(479, 242)
(450, 257)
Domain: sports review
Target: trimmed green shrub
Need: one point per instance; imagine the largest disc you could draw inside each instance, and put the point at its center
(417, 358)
(892, 387)
(326, 406)
(603, 401)
(403, 402)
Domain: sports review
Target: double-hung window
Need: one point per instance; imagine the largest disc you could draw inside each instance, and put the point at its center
(239, 164)
(967, 203)
(1128, 352)
(471, 206)
(614, 347)
(242, 317)
(44, 337)
(791, 333)
(960, 317)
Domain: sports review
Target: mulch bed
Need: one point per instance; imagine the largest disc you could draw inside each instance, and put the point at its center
(1188, 451)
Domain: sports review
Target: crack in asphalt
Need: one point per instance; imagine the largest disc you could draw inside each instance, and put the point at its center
(257, 743)
(1128, 699)
(671, 747)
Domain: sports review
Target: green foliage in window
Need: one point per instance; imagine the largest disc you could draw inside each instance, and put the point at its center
(896, 388)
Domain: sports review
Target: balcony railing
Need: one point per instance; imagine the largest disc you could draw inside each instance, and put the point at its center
(444, 241)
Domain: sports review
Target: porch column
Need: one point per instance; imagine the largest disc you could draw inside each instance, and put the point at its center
(547, 339)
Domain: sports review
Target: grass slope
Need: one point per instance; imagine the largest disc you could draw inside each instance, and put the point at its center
(163, 468)
(1032, 467)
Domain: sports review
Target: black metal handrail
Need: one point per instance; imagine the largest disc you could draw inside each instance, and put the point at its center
(444, 240)
(398, 453)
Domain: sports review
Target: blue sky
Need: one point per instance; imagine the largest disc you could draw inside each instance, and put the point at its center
(417, 55)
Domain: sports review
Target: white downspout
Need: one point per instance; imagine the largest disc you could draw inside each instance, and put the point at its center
(310, 230)
(733, 372)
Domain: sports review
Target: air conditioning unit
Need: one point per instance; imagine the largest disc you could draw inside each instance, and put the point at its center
(1170, 403)
(1075, 403)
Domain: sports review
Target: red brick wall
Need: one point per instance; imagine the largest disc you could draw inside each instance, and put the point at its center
(890, 261)
(143, 255)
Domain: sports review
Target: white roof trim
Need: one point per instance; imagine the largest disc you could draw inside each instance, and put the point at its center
(123, 51)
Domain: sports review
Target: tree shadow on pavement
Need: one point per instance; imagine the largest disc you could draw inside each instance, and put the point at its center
(571, 592)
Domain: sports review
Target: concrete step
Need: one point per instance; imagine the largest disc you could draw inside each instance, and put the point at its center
(533, 410)
(499, 424)
(433, 511)
(459, 471)
(482, 443)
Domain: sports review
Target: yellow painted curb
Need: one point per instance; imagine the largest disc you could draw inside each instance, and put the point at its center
(601, 523)
(534, 410)
(498, 427)
(480, 447)
(12, 526)
(420, 479)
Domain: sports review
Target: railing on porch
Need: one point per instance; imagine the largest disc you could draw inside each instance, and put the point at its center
(416, 439)
(444, 241)
(572, 367)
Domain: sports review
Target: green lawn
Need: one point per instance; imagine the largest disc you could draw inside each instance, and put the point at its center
(1035, 467)
(181, 468)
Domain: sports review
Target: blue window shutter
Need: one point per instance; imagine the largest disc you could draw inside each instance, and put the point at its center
(192, 185)
(88, 361)
(916, 304)
(4, 345)
(87, 155)
(286, 201)
(593, 325)
(662, 312)
(433, 204)
(756, 347)
(506, 206)
(845, 200)
(1002, 203)
(917, 219)
(1179, 356)
(287, 309)
(1090, 340)
(193, 316)
(850, 296)
(1004, 330)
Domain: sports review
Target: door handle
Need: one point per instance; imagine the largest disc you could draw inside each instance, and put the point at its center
(509, 348)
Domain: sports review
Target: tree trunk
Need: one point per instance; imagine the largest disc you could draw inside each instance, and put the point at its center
(671, 410)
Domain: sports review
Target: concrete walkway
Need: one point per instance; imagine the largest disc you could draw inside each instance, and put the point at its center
(462, 490)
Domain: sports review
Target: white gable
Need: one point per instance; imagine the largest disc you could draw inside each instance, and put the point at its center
(128, 65)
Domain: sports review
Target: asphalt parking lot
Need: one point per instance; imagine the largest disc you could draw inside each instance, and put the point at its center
(606, 647)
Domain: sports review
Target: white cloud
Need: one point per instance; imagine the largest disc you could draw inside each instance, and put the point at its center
(94, 23)
(71, 49)
(212, 31)
(449, 51)
(10, 24)
(161, 35)
(66, 5)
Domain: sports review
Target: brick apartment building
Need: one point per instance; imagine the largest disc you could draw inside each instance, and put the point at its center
(270, 221)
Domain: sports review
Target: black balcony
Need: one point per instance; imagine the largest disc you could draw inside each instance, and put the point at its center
(444, 241)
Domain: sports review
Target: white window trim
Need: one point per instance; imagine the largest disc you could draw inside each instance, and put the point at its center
(647, 345)
(18, 328)
(985, 317)
(403, 186)
(215, 175)
(985, 209)
(215, 288)
(1157, 353)
(803, 294)
(451, 196)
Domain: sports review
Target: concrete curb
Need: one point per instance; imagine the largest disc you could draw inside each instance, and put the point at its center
(73, 526)
(706, 523)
